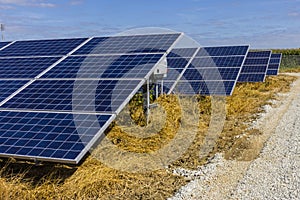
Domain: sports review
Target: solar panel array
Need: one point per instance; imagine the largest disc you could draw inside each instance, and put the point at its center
(58, 96)
(206, 71)
(274, 64)
(255, 66)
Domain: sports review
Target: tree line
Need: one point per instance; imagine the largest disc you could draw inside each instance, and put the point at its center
(287, 51)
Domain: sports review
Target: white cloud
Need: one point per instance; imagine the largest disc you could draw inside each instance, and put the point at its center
(294, 14)
(32, 3)
(76, 2)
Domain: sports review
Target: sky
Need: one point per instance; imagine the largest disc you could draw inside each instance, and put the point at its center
(261, 23)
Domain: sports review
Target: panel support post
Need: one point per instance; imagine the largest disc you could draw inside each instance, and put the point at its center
(156, 91)
(148, 102)
(162, 87)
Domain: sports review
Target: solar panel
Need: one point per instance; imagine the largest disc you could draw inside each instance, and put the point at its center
(274, 64)
(212, 71)
(74, 95)
(156, 43)
(124, 66)
(255, 66)
(7, 87)
(49, 136)
(61, 111)
(223, 51)
(3, 44)
(56, 47)
(28, 68)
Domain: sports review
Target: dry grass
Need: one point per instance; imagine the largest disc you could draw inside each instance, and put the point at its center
(291, 69)
(94, 180)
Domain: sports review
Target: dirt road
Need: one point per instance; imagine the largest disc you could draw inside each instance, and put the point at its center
(275, 174)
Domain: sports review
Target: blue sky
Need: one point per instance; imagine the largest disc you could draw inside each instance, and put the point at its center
(260, 23)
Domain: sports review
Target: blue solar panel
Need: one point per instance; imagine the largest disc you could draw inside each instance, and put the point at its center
(24, 67)
(251, 77)
(49, 136)
(204, 87)
(3, 44)
(71, 95)
(125, 66)
(213, 71)
(156, 43)
(223, 51)
(177, 63)
(230, 61)
(42, 47)
(255, 66)
(182, 53)
(7, 87)
(274, 64)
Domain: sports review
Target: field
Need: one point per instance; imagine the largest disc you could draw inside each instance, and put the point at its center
(94, 180)
(290, 60)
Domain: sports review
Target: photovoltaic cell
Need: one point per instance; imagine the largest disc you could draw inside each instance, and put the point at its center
(24, 67)
(125, 66)
(156, 43)
(255, 66)
(7, 87)
(48, 136)
(70, 95)
(56, 47)
(274, 64)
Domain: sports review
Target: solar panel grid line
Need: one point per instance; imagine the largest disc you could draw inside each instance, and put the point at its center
(7, 45)
(184, 69)
(14, 57)
(116, 54)
(83, 79)
(16, 92)
(55, 111)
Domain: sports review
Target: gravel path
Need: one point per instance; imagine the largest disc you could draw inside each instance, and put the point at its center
(275, 174)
